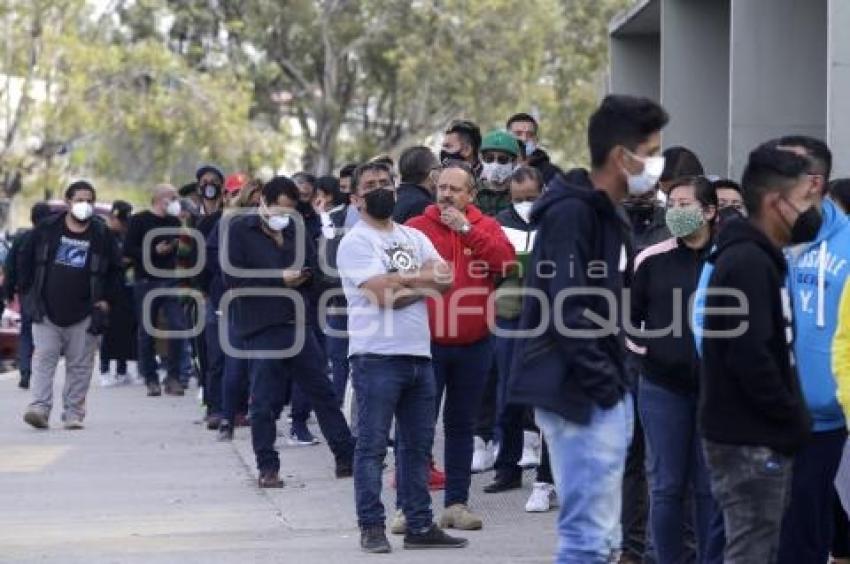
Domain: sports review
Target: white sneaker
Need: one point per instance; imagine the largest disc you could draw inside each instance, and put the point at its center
(483, 458)
(107, 380)
(542, 498)
(530, 450)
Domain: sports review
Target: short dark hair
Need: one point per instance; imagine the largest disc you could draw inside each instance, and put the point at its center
(817, 150)
(416, 163)
(187, 189)
(330, 186)
(769, 170)
(622, 120)
(468, 131)
(79, 186)
(705, 191)
(680, 162)
(839, 189)
(727, 183)
(522, 116)
(304, 177)
(371, 166)
(122, 210)
(39, 211)
(348, 170)
(524, 172)
(278, 185)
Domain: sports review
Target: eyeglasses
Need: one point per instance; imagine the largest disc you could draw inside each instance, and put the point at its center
(501, 159)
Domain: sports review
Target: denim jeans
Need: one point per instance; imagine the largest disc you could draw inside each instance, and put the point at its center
(175, 318)
(337, 348)
(510, 416)
(268, 387)
(752, 485)
(237, 378)
(807, 530)
(462, 371)
(214, 367)
(25, 345)
(588, 463)
(676, 469)
(387, 386)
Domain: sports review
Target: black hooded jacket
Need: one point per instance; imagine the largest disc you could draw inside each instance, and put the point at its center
(539, 159)
(579, 263)
(749, 390)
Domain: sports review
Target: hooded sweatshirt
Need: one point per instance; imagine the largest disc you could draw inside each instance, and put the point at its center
(477, 258)
(749, 391)
(817, 272)
(572, 363)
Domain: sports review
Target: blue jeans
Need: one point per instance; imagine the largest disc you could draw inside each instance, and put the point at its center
(175, 318)
(588, 463)
(510, 417)
(675, 466)
(337, 348)
(213, 385)
(25, 345)
(462, 371)
(387, 386)
(237, 378)
(268, 387)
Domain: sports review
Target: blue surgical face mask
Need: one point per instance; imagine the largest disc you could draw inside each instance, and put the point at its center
(530, 147)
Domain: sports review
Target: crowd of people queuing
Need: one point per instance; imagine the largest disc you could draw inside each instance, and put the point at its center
(669, 349)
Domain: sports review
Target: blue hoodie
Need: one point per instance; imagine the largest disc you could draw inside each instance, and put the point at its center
(817, 272)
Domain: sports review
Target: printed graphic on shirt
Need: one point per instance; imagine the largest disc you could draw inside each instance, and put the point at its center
(72, 252)
(788, 315)
(400, 257)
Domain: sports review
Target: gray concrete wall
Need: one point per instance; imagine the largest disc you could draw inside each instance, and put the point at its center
(636, 65)
(695, 78)
(838, 105)
(778, 72)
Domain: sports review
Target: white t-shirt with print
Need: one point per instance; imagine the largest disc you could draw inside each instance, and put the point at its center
(366, 252)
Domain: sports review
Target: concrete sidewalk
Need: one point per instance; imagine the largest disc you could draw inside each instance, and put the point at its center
(145, 482)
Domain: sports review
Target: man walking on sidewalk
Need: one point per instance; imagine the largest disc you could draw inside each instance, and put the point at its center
(69, 269)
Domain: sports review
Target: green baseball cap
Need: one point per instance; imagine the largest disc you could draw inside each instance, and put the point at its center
(500, 140)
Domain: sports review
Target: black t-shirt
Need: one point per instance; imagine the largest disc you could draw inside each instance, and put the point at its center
(67, 290)
(140, 224)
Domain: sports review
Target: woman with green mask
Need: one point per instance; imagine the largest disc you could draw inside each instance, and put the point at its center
(666, 276)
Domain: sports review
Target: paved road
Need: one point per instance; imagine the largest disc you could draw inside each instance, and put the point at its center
(145, 483)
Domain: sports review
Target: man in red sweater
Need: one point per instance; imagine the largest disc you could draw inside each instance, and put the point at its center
(478, 251)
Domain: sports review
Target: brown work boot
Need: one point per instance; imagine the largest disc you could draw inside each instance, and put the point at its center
(458, 516)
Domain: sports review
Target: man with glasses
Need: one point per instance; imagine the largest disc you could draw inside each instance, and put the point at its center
(499, 154)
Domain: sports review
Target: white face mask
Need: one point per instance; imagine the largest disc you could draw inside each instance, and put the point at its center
(497, 173)
(523, 209)
(273, 222)
(82, 211)
(173, 208)
(647, 179)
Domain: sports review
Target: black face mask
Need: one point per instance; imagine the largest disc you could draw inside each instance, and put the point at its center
(445, 156)
(806, 226)
(344, 198)
(210, 191)
(380, 203)
(639, 212)
(727, 214)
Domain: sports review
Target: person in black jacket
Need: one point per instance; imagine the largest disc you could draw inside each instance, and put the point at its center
(69, 273)
(416, 191)
(666, 275)
(11, 288)
(526, 129)
(277, 329)
(752, 415)
(571, 366)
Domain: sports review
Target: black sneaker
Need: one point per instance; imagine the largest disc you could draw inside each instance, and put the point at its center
(154, 389)
(24, 382)
(432, 538)
(503, 483)
(344, 467)
(225, 432)
(374, 540)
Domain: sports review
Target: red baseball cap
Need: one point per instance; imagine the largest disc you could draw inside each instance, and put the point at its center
(235, 182)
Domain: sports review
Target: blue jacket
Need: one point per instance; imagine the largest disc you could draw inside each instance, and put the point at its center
(579, 266)
(817, 272)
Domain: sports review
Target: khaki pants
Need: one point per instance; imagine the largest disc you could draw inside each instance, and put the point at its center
(78, 347)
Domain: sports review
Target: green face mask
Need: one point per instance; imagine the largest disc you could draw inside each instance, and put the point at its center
(684, 221)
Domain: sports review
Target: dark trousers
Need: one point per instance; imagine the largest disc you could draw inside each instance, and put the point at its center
(25, 345)
(387, 386)
(214, 365)
(635, 509)
(175, 318)
(676, 470)
(121, 364)
(510, 416)
(268, 387)
(752, 485)
(300, 408)
(237, 378)
(337, 348)
(808, 526)
(488, 412)
(462, 372)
